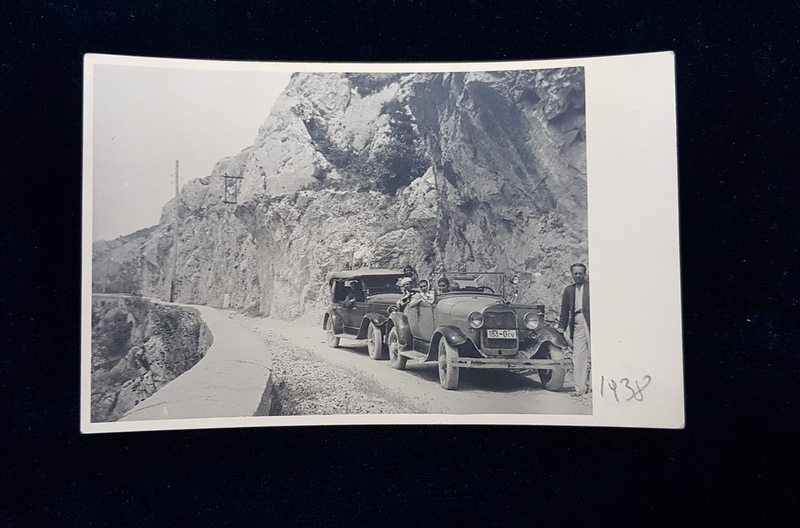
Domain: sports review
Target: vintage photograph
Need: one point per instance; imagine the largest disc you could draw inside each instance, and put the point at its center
(338, 246)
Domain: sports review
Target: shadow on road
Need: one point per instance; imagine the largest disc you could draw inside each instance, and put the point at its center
(469, 379)
(480, 380)
(353, 347)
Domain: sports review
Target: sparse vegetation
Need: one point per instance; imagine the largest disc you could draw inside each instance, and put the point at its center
(110, 276)
(137, 347)
(370, 83)
(401, 160)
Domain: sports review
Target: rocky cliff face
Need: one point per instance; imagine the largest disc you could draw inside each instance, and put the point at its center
(461, 171)
(137, 348)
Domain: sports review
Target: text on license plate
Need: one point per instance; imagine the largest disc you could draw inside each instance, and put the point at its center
(501, 334)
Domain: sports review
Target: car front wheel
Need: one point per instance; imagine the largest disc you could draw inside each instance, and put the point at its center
(448, 371)
(552, 380)
(375, 346)
(398, 362)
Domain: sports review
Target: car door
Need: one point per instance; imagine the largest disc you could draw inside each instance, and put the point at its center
(355, 313)
(420, 320)
(338, 293)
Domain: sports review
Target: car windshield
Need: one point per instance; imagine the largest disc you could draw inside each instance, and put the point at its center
(376, 284)
(479, 281)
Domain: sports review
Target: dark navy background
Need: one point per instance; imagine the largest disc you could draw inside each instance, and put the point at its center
(737, 86)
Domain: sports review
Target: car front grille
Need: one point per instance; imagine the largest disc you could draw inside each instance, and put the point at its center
(499, 320)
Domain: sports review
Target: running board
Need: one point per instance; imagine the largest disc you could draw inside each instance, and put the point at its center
(352, 339)
(413, 354)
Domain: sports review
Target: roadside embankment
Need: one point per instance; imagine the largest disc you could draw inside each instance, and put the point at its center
(139, 347)
(232, 380)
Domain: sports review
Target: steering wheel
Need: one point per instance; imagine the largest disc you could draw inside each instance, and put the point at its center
(486, 288)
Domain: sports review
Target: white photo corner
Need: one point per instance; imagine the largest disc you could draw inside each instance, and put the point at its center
(278, 244)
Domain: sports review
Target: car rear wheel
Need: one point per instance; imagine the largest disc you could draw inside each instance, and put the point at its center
(375, 346)
(333, 341)
(552, 380)
(398, 362)
(448, 371)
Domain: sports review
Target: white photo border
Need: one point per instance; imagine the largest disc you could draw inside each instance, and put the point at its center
(637, 360)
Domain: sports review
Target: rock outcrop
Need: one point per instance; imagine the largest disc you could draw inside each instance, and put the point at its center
(460, 171)
(137, 348)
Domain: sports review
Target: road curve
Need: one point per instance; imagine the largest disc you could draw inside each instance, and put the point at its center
(479, 391)
(232, 380)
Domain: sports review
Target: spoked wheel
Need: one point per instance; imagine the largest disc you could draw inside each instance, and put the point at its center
(375, 346)
(448, 371)
(552, 380)
(333, 341)
(398, 362)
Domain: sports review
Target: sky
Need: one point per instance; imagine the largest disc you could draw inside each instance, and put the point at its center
(146, 118)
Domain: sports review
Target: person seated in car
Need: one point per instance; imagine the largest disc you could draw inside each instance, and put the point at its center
(411, 273)
(424, 294)
(443, 285)
(354, 295)
(405, 287)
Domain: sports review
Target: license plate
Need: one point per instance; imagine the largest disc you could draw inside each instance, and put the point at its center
(501, 334)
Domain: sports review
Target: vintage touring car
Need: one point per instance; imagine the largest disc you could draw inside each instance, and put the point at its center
(359, 307)
(474, 325)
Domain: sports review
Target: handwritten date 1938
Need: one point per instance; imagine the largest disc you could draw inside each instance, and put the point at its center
(623, 390)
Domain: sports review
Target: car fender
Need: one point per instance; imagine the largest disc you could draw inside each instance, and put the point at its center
(399, 321)
(374, 318)
(452, 334)
(548, 334)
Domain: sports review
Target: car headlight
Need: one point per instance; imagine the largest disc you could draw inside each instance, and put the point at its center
(530, 320)
(475, 319)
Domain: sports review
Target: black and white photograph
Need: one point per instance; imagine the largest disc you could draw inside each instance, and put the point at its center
(283, 244)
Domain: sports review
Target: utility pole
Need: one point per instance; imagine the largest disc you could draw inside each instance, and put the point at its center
(174, 271)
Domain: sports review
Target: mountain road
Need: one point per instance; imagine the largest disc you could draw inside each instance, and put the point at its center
(312, 378)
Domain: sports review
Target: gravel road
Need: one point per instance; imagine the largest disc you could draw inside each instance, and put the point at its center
(311, 378)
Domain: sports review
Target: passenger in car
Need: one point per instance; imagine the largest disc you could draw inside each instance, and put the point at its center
(355, 295)
(424, 294)
(444, 285)
(411, 273)
(405, 287)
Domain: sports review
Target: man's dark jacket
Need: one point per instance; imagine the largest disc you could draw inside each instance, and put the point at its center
(568, 308)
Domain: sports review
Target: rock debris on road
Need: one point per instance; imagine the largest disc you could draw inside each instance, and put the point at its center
(310, 378)
(305, 385)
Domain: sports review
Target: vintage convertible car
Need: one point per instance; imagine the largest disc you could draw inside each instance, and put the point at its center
(359, 307)
(474, 326)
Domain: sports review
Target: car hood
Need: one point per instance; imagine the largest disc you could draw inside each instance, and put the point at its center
(388, 298)
(464, 304)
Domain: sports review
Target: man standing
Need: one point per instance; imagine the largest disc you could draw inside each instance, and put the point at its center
(575, 318)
